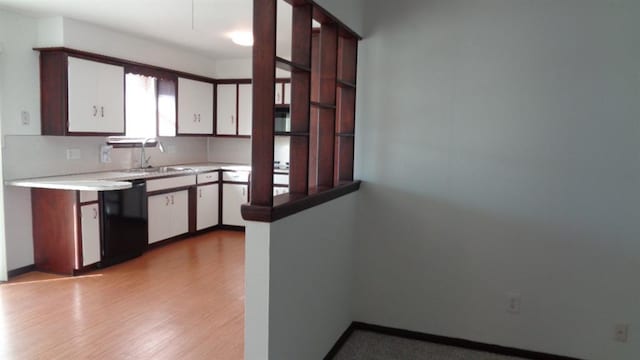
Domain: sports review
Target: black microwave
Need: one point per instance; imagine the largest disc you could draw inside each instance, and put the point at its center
(282, 120)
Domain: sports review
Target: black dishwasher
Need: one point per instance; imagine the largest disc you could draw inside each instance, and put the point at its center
(124, 223)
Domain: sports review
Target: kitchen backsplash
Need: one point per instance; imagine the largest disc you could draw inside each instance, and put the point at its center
(238, 150)
(34, 156)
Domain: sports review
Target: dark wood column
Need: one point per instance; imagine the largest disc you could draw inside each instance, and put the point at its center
(300, 99)
(264, 77)
(327, 104)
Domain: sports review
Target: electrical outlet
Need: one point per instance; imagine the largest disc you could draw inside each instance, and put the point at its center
(514, 301)
(105, 153)
(25, 117)
(73, 154)
(621, 332)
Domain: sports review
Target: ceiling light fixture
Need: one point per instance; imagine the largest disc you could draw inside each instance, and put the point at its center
(242, 38)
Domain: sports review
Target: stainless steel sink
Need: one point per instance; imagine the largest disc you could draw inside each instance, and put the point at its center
(159, 169)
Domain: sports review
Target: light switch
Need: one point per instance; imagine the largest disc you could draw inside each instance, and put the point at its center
(73, 154)
(25, 117)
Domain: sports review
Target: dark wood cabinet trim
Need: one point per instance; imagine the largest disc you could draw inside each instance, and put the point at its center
(55, 226)
(123, 62)
(171, 190)
(193, 208)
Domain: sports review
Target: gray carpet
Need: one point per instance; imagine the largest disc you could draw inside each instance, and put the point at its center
(365, 345)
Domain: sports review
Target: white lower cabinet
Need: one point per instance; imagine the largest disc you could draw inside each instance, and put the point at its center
(168, 215)
(207, 206)
(233, 196)
(90, 224)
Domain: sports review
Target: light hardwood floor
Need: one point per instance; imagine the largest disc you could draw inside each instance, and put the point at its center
(181, 301)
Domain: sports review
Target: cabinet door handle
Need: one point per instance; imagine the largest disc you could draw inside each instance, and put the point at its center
(171, 199)
(200, 193)
(102, 111)
(232, 119)
(167, 203)
(195, 117)
(199, 117)
(95, 111)
(95, 213)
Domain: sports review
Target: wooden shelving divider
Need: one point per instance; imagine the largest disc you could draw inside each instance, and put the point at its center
(346, 108)
(300, 99)
(322, 109)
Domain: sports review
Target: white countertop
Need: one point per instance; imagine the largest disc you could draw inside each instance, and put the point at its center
(117, 180)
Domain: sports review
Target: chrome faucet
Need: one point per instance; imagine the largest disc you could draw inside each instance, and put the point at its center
(144, 161)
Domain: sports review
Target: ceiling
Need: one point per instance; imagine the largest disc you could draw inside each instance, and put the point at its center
(199, 25)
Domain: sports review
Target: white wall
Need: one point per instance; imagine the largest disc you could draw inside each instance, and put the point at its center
(300, 270)
(498, 141)
(3, 247)
(349, 12)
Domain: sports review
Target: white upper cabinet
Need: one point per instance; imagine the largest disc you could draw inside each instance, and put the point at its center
(96, 97)
(226, 114)
(195, 107)
(283, 93)
(245, 103)
(287, 93)
(233, 116)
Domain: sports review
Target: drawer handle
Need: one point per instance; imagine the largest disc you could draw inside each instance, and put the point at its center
(167, 203)
(102, 111)
(95, 111)
(95, 213)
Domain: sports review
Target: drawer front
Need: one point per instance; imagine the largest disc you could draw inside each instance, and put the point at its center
(170, 183)
(88, 196)
(208, 177)
(237, 176)
(280, 179)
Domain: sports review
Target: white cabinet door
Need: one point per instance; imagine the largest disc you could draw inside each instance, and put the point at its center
(96, 97)
(245, 105)
(287, 93)
(233, 196)
(168, 215)
(159, 213)
(279, 94)
(195, 107)
(226, 116)
(179, 212)
(207, 208)
(90, 224)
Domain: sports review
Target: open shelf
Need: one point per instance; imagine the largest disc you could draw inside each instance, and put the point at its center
(345, 84)
(290, 66)
(323, 105)
(290, 133)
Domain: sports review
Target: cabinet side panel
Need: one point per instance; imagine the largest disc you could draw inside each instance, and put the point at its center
(54, 230)
(53, 93)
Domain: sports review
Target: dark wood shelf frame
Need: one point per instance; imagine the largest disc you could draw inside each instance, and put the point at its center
(291, 66)
(323, 69)
(290, 133)
(345, 84)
